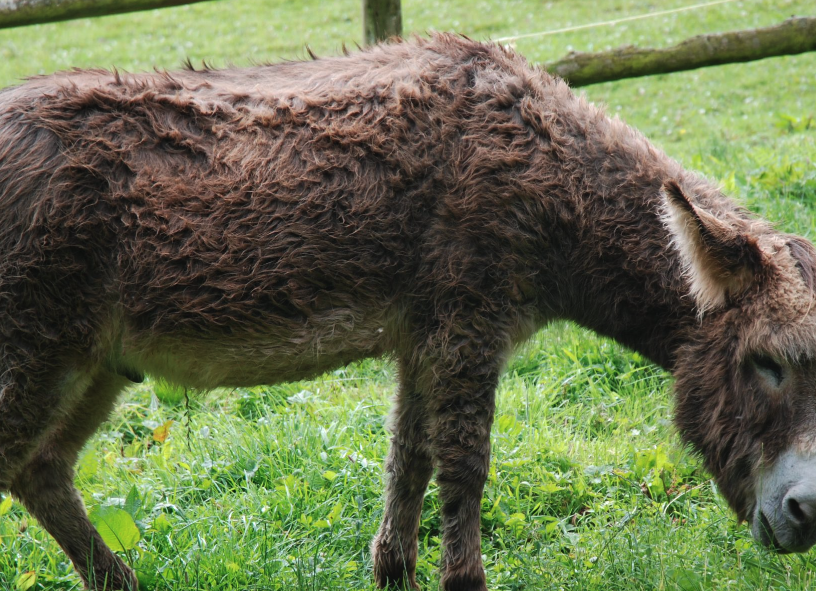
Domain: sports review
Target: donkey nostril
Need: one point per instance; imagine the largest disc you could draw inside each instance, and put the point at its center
(799, 506)
(795, 511)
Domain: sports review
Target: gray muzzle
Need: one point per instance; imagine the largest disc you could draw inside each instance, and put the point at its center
(785, 515)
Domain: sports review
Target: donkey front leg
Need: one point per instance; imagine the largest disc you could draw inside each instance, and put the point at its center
(408, 469)
(463, 414)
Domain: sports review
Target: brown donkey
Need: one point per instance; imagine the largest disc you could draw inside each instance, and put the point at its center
(435, 200)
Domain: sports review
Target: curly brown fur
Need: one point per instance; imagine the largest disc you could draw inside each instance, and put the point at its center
(437, 200)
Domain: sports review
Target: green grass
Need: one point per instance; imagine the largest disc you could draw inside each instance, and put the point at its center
(280, 487)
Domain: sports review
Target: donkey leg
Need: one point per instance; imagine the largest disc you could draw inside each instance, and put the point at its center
(463, 414)
(30, 403)
(45, 486)
(408, 468)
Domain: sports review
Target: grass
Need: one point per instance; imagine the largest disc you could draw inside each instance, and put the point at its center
(280, 487)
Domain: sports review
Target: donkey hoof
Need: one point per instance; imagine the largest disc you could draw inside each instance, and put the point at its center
(395, 583)
(391, 572)
(117, 578)
(464, 582)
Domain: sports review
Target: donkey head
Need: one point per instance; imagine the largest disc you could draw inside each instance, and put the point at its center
(746, 378)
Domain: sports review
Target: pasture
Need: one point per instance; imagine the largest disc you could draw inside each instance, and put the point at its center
(280, 487)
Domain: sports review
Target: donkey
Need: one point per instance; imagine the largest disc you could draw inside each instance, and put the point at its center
(436, 200)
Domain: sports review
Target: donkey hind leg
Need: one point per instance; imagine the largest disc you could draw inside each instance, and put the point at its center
(45, 486)
(408, 469)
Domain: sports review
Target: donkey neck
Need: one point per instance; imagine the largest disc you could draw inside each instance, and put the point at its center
(622, 277)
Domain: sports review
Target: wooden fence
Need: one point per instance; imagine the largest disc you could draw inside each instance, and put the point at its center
(383, 19)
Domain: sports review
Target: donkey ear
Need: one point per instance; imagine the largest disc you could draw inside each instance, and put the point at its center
(721, 260)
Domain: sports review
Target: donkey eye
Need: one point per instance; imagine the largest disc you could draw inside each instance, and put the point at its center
(769, 368)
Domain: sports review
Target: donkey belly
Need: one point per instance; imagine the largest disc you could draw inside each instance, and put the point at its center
(252, 359)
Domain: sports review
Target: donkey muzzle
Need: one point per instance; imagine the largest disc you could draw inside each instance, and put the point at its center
(785, 516)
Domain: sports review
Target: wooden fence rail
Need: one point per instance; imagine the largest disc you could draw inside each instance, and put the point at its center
(795, 35)
(17, 13)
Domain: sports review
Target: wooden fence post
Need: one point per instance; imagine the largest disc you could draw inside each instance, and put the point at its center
(381, 19)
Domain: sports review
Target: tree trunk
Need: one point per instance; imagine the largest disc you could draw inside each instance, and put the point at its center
(795, 35)
(381, 19)
(16, 13)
